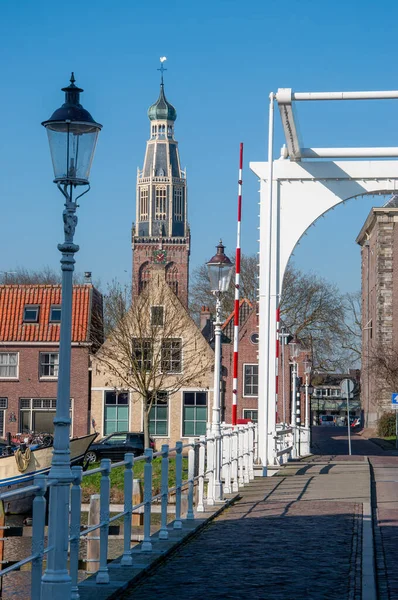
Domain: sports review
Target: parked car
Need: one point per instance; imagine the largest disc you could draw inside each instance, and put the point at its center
(327, 421)
(116, 445)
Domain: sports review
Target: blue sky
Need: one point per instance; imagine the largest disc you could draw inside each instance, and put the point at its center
(224, 57)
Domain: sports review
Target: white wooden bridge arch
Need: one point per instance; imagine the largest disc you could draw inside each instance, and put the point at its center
(295, 190)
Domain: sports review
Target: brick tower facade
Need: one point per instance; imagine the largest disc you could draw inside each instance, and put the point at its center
(160, 235)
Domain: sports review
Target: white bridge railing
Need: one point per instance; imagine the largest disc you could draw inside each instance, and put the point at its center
(290, 442)
(238, 456)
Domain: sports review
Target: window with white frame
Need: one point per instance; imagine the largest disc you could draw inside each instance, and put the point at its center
(159, 415)
(160, 203)
(31, 313)
(142, 353)
(171, 356)
(144, 204)
(250, 413)
(250, 380)
(37, 414)
(55, 313)
(3, 407)
(116, 411)
(157, 315)
(178, 204)
(49, 362)
(8, 365)
(194, 414)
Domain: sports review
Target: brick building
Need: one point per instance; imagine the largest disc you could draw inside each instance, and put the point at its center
(161, 234)
(30, 318)
(378, 239)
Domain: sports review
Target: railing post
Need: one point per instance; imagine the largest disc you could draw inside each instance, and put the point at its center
(127, 559)
(251, 451)
(38, 523)
(105, 494)
(226, 444)
(177, 521)
(164, 489)
(246, 477)
(147, 544)
(234, 459)
(201, 475)
(256, 443)
(241, 481)
(210, 463)
(191, 478)
(75, 517)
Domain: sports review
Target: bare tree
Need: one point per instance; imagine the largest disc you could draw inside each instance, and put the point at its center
(44, 276)
(326, 321)
(154, 347)
(200, 293)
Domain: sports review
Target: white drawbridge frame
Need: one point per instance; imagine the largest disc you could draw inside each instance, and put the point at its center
(295, 190)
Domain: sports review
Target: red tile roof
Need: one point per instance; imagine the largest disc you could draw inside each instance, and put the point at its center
(13, 299)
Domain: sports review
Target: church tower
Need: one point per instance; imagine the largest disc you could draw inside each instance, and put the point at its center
(160, 235)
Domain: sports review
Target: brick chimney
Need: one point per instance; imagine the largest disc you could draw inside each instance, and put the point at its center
(204, 316)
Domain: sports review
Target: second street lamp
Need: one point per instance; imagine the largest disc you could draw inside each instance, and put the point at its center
(72, 135)
(220, 270)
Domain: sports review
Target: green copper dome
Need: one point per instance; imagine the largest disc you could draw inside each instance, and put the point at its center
(162, 110)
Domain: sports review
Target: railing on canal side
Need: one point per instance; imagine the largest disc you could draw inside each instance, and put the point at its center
(238, 454)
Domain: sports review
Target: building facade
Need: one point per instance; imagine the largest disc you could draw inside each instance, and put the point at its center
(30, 317)
(378, 239)
(160, 234)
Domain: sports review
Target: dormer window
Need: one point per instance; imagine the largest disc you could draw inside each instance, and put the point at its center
(31, 313)
(55, 313)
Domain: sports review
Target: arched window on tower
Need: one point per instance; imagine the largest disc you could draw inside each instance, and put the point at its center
(144, 205)
(172, 277)
(144, 276)
(178, 204)
(160, 203)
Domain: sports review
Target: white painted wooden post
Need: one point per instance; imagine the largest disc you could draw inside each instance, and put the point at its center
(234, 459)
(177, 521)
(146, 545)
(164, 487)
(241, 481)
(246, 477)
(210, 463)
(227, 460)
(93, 540)
(191, 478)
(251, 451)
(105, 494)
(201, 480)
(127, 558)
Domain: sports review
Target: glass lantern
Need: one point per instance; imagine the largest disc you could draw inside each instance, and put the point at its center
(72, 136)
(220, 271)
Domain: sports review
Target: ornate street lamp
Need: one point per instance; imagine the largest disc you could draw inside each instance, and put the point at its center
(72, 135)
(220, 271)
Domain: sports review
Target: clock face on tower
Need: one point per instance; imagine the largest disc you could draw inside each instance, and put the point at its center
(159, 256)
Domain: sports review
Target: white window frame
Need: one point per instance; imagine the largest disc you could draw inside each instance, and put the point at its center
(35, 307)
(244, 410)
(170, 359)
(243, 380)
(167, 434)
(31, 409)
(3, 409)
(104, 404)
(208, 408)
(8, 365)
(138, 345)
(55, 365)
(152, 315)
(55, 307)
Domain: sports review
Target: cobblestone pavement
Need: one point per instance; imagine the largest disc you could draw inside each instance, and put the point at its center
(295, 536)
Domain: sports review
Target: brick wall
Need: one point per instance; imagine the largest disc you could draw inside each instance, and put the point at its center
(29, 385)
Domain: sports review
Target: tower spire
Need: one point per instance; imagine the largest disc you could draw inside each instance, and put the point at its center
(162, 69)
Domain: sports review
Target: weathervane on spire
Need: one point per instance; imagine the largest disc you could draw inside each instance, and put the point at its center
(162, 69)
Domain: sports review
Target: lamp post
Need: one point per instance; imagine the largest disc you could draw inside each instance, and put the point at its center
(72, 135)
(294, 353)
(220, 270)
